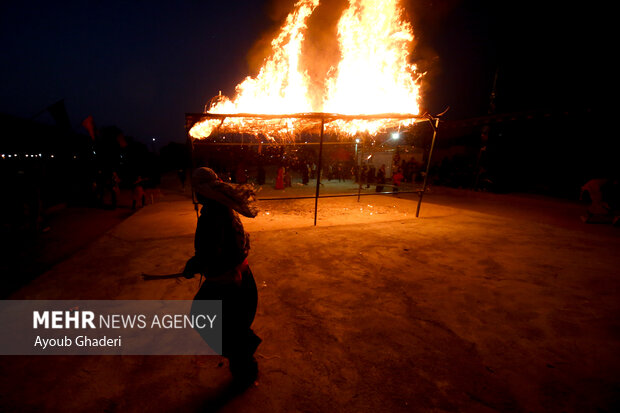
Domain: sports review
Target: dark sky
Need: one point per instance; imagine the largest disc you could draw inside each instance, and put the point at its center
(141, 65)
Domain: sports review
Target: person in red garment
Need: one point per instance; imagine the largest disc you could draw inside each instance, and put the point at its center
(397, 178)
(221, 250)
(280, 178)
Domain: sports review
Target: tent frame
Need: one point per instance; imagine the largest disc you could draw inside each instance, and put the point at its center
(192, 118)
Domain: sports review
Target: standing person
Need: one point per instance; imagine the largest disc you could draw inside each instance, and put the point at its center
(138, 192)
(397, 178)
(381, 178)
(280, 178)
(371, 175)
(182, 177)
(287, 177)
(260, 178)
(240, 175)
(364, 176)
(305, 174)
(221, 250)
(116, 191)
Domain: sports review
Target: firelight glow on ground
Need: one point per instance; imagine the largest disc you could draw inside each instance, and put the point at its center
(456, 311)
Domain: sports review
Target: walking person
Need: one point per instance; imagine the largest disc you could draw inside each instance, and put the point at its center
(221, 250)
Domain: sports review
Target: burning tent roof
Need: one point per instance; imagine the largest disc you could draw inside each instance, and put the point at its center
(288, 126)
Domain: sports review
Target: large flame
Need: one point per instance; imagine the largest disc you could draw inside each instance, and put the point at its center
(373, 75)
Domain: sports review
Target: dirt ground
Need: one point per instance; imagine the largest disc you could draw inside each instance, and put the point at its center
(502, 304)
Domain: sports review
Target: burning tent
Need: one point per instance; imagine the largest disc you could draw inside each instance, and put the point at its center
(372, 89)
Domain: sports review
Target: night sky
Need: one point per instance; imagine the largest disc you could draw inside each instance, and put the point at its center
(141, 65)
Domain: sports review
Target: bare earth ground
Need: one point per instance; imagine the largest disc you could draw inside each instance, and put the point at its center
(508, 309)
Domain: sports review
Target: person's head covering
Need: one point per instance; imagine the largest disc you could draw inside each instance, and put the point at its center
(237, 197)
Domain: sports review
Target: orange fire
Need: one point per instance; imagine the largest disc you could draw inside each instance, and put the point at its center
(373, 76)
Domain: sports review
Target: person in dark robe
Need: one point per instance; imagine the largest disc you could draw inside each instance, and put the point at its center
(260, 179)
(371, 175)
(241, 176)
(364, 176)
(221, 250)
(380, 178)
(287, 177)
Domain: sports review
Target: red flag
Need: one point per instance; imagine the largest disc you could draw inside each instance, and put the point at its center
(89, 125)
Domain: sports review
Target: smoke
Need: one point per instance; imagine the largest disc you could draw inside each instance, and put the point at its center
(260, 50)
(276, 11)
(428, 18)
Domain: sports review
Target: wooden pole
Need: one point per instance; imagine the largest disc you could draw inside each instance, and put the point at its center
(484, 133)
(359, 172)
(192, 166)
(318, 171)
(428, 165)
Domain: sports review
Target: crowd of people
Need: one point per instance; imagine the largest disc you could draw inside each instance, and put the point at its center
(402, 171)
